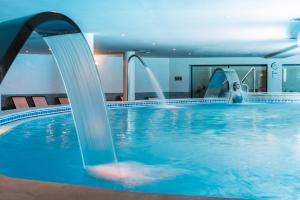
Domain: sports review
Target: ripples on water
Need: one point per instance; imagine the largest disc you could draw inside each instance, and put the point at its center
(245, 151)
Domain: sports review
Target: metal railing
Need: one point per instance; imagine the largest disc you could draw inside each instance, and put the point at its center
(254, 79)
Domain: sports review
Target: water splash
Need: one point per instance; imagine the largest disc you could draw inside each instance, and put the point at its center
(132, 174)
(155, 84)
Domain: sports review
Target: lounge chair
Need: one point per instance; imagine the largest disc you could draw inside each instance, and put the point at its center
(63, 100)
(39, 101)
(20, 102)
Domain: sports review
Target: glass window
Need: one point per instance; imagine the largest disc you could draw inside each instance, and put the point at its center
(260, 83)
(291, 78)
(200, 79)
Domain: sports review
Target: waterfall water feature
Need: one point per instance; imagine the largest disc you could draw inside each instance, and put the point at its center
(79, 73)
(82, 83)
(219, 78)
(131, 79)
(155, 84)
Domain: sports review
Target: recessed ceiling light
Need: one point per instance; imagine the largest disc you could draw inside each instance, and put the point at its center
(148, 52)
(27, 51)
(174, 49)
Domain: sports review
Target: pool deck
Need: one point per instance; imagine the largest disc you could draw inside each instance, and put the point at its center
(16, 189)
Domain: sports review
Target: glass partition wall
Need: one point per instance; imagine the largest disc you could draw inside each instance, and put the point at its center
(291, 78)
(200, 75)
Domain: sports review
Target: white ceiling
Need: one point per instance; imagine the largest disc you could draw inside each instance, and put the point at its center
(179, 28)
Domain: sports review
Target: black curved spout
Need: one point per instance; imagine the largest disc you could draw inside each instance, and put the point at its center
(14, 33)
(128, 60)
(138, 57)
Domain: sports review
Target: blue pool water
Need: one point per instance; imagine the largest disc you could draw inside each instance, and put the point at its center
(244, 151)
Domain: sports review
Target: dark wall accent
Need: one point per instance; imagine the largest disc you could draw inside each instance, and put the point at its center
(7, 103)
(147, 95)
(168, 95)
(179, 95)
(52, 99)
(113, 96)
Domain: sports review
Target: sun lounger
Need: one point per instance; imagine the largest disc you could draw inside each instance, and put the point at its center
(63, 100)
(20, 102)
(39, 101)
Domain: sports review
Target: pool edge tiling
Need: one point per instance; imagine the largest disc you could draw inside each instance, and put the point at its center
(14, 115)
(11, 116)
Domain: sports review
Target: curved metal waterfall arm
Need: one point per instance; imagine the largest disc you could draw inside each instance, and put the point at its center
(138, 57)
(127, 73)
(14, 33)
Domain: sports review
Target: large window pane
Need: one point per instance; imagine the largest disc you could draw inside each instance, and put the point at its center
(200, 79)
(260, 77)
(291, 78)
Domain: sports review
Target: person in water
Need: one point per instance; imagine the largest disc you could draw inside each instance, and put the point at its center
(237, 95)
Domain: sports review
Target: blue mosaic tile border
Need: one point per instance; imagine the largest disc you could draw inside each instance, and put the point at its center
(115, 105)
(167, 102)
(33, 113)
(272, 100)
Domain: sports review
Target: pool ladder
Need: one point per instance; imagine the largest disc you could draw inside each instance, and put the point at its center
(254, 80)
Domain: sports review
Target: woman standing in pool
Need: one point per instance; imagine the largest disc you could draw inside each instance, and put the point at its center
(237, 95)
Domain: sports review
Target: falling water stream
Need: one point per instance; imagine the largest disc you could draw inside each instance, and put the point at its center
(79, 73)
(155, 84)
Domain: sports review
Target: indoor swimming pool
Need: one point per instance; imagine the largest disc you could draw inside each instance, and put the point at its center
(249, 150)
